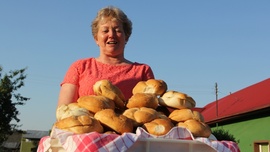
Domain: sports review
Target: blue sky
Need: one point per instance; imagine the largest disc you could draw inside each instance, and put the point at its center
(191, 45)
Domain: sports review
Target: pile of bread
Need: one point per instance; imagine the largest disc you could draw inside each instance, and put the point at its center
(108, 112)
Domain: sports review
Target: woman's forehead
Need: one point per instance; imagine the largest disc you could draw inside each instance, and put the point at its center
(109, 21)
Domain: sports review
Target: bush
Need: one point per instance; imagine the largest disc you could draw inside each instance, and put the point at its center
(222, 134)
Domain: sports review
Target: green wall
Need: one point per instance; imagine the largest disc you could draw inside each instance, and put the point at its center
(249, 131)
(28, 146)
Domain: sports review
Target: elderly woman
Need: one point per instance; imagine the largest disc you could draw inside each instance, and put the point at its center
(111, 30)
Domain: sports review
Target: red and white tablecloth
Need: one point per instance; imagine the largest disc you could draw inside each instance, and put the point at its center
(95, 142)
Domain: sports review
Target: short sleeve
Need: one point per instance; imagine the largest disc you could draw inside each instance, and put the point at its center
(149, 74)
(72, 74)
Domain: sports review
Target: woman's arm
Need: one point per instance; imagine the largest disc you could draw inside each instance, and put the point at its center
(68, 94)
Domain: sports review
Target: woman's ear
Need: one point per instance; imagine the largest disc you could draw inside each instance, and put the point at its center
(96, 40)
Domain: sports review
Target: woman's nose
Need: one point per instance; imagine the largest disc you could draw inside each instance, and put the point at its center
(112, 33)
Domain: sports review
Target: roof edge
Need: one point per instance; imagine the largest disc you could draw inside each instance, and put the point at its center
(237, 115)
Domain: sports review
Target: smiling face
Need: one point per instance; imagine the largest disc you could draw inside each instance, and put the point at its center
(111, 37)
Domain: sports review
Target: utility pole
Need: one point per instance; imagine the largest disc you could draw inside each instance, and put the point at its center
(216, 91)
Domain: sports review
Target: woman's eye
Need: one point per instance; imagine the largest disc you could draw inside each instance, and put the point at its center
(118, 30)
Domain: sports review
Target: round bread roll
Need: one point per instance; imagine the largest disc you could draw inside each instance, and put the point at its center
(107, 89)
(72, 109)
(95, 103)
(117, 122)
(157, 87)
(158, 127)
(142, 115)
(182, 115)
(197, 128)
(139, 100)
(129, 113)
(177, 100)
(79, 124)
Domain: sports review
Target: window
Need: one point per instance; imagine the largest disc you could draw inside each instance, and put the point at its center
(262, 146)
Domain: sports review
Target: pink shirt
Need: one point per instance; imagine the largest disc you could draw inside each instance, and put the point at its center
(86, 72)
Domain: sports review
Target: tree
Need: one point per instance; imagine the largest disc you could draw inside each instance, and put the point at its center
(9, 99)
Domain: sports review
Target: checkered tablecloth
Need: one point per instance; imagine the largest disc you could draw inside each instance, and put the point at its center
(96, 142)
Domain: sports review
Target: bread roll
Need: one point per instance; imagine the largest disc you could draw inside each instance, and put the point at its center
(139, 100)
(158, 127)
(157, 87)
(129, 113)
(197, 128)
(142, 115)
(117, 122)
(72, 109)
(79, 124)
(177, 100)
(107, 89)
(181, 115)
(95, 103)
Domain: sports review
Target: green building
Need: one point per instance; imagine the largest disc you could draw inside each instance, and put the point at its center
(30, 140)
(23, 141)
(245, 114)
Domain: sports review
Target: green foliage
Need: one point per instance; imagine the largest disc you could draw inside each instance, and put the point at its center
(9, 99)
(222, 134)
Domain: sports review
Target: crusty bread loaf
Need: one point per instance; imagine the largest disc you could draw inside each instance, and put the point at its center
(158, 127)
(139, 100)
(142, 115)
(182, 115)
(117, 122)
(197, 128)
(95, 103)
(157, 87)
(177, 100)
(72, 109)
(107, 89)
(129, 113)
(79, 124)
